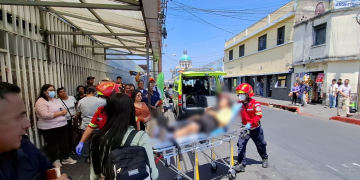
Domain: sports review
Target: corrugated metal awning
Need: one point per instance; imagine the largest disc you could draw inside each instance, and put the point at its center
(115, 24)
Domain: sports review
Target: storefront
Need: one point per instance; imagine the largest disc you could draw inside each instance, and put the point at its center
(315, 81)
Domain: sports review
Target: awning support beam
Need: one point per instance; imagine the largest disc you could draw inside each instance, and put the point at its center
(95, 33)
(69, 5)
(132, 2)
(119, 54)
(94, 20)
(111, 46)
(126, 59)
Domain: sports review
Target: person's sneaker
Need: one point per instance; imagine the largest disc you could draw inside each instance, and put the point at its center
(265, 163)
(348, 115)
(69, 161)
(57, 164)
(239, 167)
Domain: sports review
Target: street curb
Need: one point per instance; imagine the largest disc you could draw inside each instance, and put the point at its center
(289, 108)
(264, 104)
(346, 120)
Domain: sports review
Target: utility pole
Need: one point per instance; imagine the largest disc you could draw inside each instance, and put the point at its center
(358, 86)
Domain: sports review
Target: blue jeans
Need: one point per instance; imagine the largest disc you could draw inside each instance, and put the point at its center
(303, 99)
(332, 101)
(261, 91)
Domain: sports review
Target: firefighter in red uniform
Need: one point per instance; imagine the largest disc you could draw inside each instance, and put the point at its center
(99, 119)
(251, 114)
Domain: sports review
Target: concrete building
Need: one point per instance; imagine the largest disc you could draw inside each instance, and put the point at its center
(328, 44)
(265, 49)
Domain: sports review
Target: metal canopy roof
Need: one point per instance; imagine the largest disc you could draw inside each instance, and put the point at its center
(117, 24)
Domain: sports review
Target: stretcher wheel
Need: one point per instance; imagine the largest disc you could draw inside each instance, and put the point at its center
(213, 167)
(231, 174)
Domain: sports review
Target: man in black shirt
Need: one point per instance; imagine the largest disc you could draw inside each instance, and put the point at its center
(89, 82)
(19, 158)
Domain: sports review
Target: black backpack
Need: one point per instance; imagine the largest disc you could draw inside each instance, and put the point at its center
(128, 162)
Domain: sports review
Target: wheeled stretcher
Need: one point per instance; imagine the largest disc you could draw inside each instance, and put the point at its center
(199, 143)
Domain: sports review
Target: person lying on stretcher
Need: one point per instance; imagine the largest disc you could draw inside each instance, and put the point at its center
(214, 118)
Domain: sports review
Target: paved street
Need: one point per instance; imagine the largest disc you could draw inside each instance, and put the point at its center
(299, 147)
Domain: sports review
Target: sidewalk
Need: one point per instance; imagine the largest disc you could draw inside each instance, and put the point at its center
(318, 111)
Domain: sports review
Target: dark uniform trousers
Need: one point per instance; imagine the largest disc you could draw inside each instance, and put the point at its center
(257, 135)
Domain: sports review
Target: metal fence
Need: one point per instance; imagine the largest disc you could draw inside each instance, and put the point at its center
(30, 58)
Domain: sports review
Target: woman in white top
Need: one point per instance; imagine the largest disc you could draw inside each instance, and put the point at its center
(121, 121)
(52, 125)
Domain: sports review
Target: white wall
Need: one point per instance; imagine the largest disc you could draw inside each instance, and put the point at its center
(342, 37)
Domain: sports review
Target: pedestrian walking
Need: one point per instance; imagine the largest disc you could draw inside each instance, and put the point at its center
(262, 87)
(344, 98)
(19, 158)
(69, 103)
(86, 110)
(257, 88)
(295, 93)
(333, 91)
(303, 91)
(339, 83)
(121, 121)
(251, 115)
(52, 125)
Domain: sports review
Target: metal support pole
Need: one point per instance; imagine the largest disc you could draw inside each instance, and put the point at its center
(147, 69)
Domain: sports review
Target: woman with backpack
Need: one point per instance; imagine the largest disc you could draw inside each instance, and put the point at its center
(113, 137)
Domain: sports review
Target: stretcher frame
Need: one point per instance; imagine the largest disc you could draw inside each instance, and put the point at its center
(200, 145)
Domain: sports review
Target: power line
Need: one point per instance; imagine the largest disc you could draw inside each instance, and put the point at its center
(204, 20)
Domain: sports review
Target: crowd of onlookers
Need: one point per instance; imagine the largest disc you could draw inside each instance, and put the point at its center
(88, 123)
(339, 95)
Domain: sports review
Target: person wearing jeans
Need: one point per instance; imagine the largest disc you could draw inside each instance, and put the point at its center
(304, 89)
(333, 91)
(52, 126)
(344, 98)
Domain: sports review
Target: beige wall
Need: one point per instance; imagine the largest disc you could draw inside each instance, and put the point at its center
(262, 23)
(273, 59)
(342, 37)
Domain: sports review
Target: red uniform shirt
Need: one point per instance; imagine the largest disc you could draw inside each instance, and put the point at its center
(99, 119)
(251, 113)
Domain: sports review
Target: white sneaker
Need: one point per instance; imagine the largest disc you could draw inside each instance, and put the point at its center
(57, 164)
(69, 161)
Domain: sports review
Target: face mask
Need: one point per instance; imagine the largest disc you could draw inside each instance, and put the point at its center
(242, 97)
(52, 94)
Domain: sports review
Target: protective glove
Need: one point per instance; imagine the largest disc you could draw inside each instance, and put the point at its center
(79, 148)
(248, 126)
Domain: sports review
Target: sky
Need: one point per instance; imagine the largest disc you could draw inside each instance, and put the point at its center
(202, 26)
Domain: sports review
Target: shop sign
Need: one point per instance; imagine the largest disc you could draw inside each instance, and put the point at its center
(338, 4)
(320, 78)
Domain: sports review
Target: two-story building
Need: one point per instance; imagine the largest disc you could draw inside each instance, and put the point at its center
(265, 49)
(327, 47)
